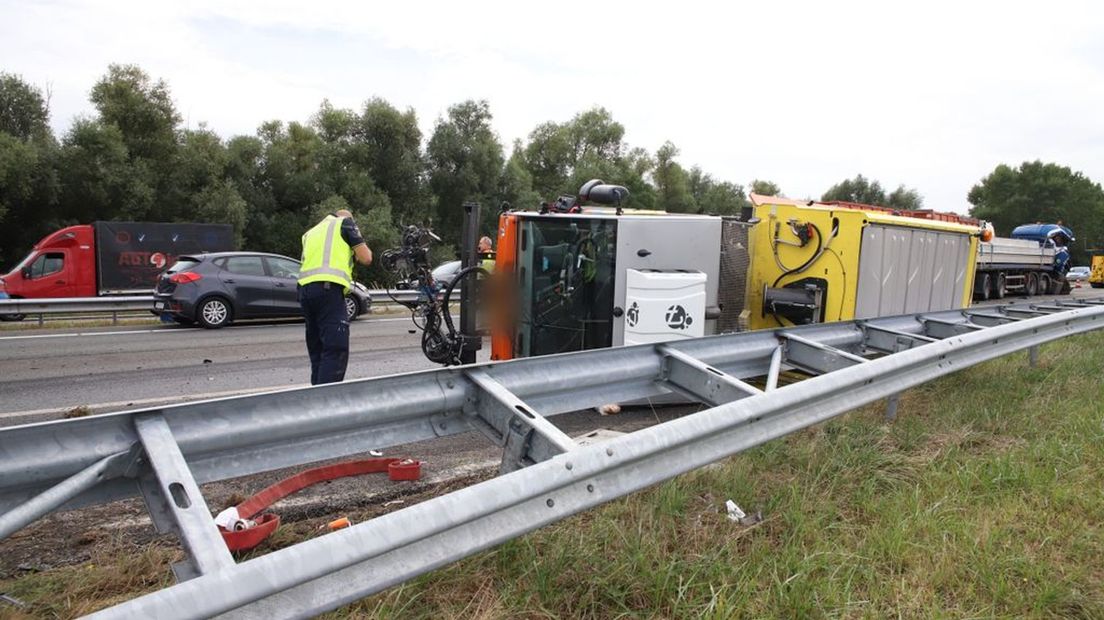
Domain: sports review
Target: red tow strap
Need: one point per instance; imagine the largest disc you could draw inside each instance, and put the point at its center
(266, 524)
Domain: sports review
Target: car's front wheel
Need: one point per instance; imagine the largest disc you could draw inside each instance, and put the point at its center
(214, 313)
(352, 307)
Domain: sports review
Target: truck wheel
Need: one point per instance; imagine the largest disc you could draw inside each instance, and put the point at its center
(986, 286)
(1031, 284)
(352, 308)
(999, 286)
(213, 313)
(1044, 284)
(1060, 287)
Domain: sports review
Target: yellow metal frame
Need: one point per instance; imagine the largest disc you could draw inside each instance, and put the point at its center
(1096, 276)
(838, 262)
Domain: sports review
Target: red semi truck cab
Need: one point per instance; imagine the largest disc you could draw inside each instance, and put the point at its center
(107, 258)
(63, 264)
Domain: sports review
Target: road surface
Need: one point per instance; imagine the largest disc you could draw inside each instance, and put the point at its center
(45, 371)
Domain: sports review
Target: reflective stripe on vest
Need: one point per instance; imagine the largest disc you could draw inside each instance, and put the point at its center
(318, 262)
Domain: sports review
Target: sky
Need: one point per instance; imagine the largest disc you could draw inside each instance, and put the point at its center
(932, 95)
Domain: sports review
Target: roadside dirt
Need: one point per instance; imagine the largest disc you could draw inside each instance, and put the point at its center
(447, 464)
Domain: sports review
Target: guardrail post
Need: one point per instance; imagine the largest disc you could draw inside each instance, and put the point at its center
(175, 503)
(1033, 356)
(891, 407)
(41, 319)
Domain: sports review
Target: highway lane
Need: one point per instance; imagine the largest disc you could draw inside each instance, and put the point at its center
(51, 370)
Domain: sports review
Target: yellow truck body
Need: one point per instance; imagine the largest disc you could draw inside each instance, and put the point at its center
(1096, 276)
(862, 263)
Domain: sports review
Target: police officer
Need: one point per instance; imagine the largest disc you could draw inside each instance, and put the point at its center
(486, 254)
(325, 277)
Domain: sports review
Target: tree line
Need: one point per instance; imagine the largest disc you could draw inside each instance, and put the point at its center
(134, 160)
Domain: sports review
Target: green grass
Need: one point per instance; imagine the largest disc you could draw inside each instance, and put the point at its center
(982, 500)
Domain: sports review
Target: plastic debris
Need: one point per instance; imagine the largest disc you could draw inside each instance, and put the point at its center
(734, 512)
(338, 524)
(609, 409)
(227, 518)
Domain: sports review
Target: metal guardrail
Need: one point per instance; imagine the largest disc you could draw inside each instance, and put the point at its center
(163, 454)
(75, 304)
(115, 305)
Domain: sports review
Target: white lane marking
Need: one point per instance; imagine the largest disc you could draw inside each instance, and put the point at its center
(173, 331)
(160, 400)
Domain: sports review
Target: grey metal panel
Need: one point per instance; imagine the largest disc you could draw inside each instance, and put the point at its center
(921, 271)
(906, 270)
(1003, 251)
(732, 286)
(667, 238)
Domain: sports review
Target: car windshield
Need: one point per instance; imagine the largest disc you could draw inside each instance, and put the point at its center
(184, 263)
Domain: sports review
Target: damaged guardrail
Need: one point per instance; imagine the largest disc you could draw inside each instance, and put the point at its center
(163, 454)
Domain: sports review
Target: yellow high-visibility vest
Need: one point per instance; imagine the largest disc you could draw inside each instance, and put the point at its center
(487, 261)
(326, 256)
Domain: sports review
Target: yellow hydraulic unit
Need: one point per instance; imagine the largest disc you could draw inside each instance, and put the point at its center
(819, 263)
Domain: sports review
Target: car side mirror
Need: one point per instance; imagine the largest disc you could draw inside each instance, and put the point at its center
(26, 271)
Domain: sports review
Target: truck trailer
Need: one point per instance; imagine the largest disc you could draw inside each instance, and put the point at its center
(109, 258)
(1033, 261)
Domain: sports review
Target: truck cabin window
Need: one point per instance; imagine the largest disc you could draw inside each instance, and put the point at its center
(46, 264)
(566, 268)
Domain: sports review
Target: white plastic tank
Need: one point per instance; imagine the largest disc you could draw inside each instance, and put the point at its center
(664, 305)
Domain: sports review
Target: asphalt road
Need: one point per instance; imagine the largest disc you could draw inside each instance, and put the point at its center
(45, 371)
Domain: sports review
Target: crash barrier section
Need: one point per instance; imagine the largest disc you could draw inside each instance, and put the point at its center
(163, 454)
(115, 305)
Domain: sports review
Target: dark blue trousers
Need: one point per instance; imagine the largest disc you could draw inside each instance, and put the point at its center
(323, 306)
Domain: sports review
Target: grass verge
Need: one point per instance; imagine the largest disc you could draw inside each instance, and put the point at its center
(982, 500)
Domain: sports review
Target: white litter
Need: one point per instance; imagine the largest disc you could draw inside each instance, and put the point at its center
(228, 518)
(734, 512)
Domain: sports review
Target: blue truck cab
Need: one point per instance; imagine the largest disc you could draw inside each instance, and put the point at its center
(1049, 235)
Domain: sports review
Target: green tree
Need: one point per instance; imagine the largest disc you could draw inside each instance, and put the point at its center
(515, 186)
(715, 197)
(905, 198)
(671, 182)
(764, 188)
(860, 189)
(24, 113)
(465, 164)
(28, 168)
(98, 180)
(142, 111)
(220, 203)
(563, 156)
(1042, 192)
(141, 108)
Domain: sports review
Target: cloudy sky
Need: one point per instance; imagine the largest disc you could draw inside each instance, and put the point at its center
(930, 94)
